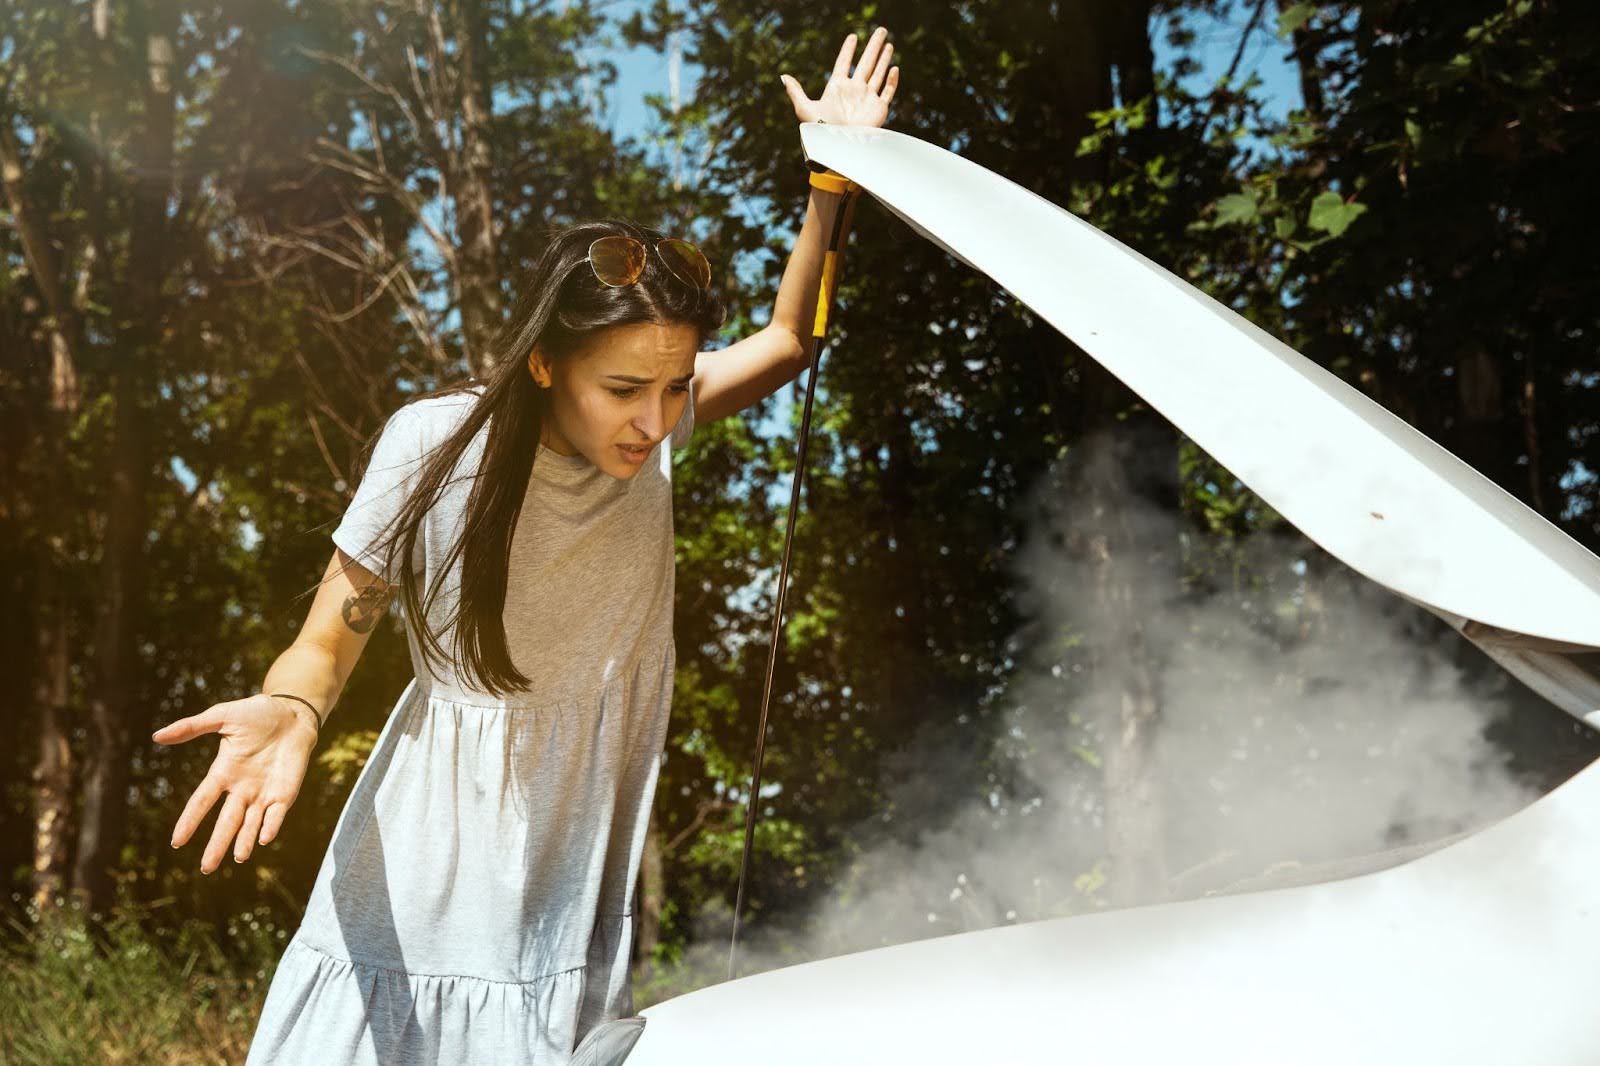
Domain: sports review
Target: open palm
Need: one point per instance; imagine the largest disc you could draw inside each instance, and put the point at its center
(859, 99)
(260, 765)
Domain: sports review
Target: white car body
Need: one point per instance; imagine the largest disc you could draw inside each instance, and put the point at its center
(1484, 951)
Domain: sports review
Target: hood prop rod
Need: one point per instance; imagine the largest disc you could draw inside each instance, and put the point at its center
(819, 330)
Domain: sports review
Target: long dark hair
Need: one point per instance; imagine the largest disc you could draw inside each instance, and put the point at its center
(561, 303)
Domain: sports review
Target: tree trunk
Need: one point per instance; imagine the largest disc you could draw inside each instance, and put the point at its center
(1056, 93)
(54, 767)
(1303, 51)
(652, 893)
(53, 770)
(1528, 408)
(1135, 60)
(1484, 436)
(481, 310)
(123, 562)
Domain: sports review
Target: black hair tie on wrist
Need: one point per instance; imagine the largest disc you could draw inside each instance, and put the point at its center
(314, 715)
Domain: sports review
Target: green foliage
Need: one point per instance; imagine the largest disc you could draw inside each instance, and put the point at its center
(1294, 16)
(343, 756)
(1332, 214)
(1238, 207)
(143, 985)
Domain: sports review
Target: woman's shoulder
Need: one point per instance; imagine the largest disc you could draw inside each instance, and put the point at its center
(434, 417)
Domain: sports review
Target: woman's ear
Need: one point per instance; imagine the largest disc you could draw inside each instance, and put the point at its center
(536, 367)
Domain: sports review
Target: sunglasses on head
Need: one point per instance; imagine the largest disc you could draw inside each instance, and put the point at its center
(619, 260)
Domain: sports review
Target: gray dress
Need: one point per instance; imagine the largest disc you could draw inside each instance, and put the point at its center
(475, 904)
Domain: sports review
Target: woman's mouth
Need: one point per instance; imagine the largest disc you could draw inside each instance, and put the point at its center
(633, 454)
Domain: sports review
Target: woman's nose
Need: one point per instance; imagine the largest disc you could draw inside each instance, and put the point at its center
(651, 422)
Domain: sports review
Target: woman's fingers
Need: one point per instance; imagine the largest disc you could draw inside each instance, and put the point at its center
(195, 811)
(881, 70)
(841, 63)
(797, 96)
(209, 720)
(869, 54)
(222, 835)
(894, 83)
(247, 834)
(273, 821)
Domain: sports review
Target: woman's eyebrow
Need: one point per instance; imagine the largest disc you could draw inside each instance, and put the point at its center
(646, 381)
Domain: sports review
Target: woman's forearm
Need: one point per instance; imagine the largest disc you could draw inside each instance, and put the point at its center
(307, 671)
(795, 309)
(858, 97)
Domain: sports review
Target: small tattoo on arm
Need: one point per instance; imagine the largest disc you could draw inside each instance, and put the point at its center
(365, 606)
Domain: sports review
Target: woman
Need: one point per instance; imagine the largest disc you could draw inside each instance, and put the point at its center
(475, 903)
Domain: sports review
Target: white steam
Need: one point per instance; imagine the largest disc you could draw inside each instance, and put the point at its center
(1291, 732)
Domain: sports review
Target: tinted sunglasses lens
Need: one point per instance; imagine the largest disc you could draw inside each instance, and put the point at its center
(617, 260)
(685, 260)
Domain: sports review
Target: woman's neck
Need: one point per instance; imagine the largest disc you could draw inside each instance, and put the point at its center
(552, 439)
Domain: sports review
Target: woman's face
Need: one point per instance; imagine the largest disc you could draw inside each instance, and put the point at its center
(628, 386)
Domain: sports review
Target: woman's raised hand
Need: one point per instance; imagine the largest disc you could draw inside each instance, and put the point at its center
(859, 99)
(260, 764)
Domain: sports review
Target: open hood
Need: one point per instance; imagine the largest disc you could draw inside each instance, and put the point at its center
(1484, 951)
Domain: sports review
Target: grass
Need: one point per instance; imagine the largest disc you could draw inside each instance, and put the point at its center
(125, 989)
(135, 986)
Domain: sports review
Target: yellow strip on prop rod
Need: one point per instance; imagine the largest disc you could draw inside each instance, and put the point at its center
(825, 297)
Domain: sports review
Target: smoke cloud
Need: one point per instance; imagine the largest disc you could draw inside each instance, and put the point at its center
(1311, 725)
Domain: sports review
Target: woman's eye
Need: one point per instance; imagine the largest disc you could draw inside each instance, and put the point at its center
(623, 394)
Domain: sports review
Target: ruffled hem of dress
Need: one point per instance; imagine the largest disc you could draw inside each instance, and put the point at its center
(322, 1009)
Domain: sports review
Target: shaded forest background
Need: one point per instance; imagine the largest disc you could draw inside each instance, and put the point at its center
(235, 237)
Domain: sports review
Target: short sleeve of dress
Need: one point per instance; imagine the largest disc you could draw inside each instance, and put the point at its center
(685, 427)
(391, 473)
